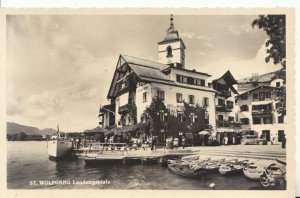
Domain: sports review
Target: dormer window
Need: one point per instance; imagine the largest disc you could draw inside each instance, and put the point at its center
(169, 51)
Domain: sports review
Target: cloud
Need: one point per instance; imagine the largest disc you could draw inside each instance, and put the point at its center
(240, 29)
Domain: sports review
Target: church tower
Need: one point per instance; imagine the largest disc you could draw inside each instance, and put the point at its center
(171, 49)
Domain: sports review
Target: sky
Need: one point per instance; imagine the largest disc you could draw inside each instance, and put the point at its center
(59, 67)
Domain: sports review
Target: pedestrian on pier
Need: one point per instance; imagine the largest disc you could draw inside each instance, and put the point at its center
(183, 143)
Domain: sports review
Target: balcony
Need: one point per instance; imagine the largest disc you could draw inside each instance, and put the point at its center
(225, 93)
(223, 108)
(228, 124)
(125, 108)
(262, 112)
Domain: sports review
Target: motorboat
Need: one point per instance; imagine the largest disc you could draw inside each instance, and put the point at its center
(183, 170)
(59, 146)
(232, 167)
(253, 171)
(273, 176)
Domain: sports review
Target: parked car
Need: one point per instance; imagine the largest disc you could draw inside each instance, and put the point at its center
(252, 139)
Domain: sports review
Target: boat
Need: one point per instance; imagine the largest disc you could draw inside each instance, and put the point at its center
(59, 146)
(208, 165)
(252, 171)
(232, 167)
(184, 170)
(273, 176)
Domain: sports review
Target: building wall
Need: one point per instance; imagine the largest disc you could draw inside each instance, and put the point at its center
(171, 101)
(176, 51)
(273, 128)
(273, 82)
(174, 73)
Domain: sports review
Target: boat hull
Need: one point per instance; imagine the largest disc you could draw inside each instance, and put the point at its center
(59, 148)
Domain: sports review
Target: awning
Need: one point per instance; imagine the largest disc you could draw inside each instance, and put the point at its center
(125, 129)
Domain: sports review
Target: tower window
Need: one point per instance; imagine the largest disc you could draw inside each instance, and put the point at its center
(169, 51)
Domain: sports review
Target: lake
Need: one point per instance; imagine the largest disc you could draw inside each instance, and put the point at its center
(28, 167)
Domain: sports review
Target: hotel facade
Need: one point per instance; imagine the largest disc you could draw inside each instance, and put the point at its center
(137, 82)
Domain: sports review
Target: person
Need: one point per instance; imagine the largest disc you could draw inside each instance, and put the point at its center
(226, 140)
(105, 139)
(283, 141)
(183, 143)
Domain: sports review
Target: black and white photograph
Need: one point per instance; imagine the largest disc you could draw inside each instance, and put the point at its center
(158, 101)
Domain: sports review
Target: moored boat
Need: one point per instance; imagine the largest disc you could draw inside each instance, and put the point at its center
(232, 167)
(184, 171)
(273, 176)
(59, 146)
(253, 171)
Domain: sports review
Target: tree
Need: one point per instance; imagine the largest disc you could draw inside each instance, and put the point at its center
(274, 26)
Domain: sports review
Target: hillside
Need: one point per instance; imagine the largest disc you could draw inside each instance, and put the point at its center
(14, 128)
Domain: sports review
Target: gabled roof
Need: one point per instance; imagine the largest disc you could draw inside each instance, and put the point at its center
(229, 79)
(267, 77)
(146, 71)
(255, 88)
(144, 62)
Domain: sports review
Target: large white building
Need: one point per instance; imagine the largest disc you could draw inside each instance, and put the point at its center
(137, 81)
(259, 103)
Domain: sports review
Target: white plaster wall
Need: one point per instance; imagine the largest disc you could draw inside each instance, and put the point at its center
(141, 106)
(174, 72)
(170, 98)
(176, 51)
(273, 82)
(260, 127)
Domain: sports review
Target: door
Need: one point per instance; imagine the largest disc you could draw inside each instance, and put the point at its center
(266, 134)
(280, 135)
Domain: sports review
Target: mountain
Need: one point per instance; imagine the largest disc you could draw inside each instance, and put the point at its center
(14, 128)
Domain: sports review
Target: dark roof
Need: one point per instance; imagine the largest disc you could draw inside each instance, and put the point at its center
(95, 130)
(105, 108)
(188, 70)
(255, 88)
(228, 78)
(143, 62)
(267, 77)
(149, 72)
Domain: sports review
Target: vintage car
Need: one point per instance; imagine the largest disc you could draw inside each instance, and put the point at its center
(252, 139)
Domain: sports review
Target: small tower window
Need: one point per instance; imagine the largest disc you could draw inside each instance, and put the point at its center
(169, 51)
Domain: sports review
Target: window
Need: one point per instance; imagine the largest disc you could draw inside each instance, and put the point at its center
(267, 120)
(220, 117)
(268, 94)
(244, 121)
(169, 51)
(221, 102)
(206, 117)
(262, 96)
(205, 102)
(256, 120)
(161, 95)
(230, 118)
(280, 135)
(244, 97)
(255, 96)
(280, 119)
(145, 97)
(244, 108)
(229, 104)
(202, 82)
(161, 115)
(180, 116)
(278, 84)
(179, 97)
(191, 99)
(184, 79)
